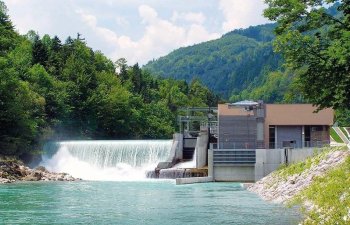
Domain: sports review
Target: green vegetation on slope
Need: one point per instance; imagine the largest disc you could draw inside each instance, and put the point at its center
(242, 65)
(344, 132)
(335, 136)
(227, 65)
(297, 168)
(330, 197)
(324, 184)
(275, 87)
(54, 90)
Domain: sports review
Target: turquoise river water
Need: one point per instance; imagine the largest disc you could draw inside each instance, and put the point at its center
(146, 202)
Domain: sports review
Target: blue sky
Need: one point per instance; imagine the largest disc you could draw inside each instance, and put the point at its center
(136, 30)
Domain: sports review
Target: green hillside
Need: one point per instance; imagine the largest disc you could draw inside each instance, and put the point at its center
(228, 65)
(50, 90)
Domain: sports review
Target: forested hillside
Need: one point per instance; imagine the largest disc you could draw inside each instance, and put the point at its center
(54, 90)
(242, 64)
(239, 60)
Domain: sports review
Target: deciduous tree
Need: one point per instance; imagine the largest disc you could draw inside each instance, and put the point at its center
(316, 40)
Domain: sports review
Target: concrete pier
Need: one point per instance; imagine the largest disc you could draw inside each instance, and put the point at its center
(193, 180)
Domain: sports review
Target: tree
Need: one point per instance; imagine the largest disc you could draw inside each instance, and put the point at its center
(55, 58)
(7, 34)
(316, 41)
(121, 66)
(21, 112)
(136, 78)
(110, 103)
(50, 90)
(40, 54)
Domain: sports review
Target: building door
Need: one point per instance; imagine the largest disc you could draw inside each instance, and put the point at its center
(291, 134)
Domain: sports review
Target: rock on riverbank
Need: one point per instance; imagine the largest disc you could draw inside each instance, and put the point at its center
(12, 171)
(279, 187)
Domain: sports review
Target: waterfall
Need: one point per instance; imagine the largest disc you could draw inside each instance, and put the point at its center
(189, 164)
(179, 170)
(105, 160)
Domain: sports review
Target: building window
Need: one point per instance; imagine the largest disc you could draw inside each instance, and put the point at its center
(272, 139)
(307, 137)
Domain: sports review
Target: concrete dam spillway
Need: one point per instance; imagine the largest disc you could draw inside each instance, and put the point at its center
(106, 160)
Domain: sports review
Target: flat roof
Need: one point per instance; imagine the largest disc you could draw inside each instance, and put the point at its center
(297, 114)
(225, 110)
(285, 114)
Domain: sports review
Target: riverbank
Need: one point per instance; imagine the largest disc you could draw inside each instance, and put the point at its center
(14, 170)
(319, 184)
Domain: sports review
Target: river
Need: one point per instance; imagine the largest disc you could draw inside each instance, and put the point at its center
(147, 202)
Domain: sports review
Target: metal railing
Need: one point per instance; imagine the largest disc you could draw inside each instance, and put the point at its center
(318, 144)
(307, 144)
(241, 145)
(213, 126)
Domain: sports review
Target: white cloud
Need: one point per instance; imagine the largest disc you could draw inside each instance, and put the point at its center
(159, 38)
(121, 21)
(134, 29)
(87, 18)
(198, 33)
(191, 17)
(241, 13)
(147, 13)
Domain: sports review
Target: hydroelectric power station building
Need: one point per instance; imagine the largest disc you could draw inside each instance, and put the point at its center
(247, 140)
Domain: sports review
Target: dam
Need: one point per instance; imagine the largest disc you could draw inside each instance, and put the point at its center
(106, 160)
(245, 141)
(239, 142)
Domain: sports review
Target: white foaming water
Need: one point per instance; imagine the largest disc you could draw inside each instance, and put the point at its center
(106, 160)
(189, 164)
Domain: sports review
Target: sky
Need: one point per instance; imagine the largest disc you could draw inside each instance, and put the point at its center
(134, 29)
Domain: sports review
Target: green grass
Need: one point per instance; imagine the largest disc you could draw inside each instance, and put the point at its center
(331, 196)
(335, 136)
(344, 132)
(285, 171)
(330, 193)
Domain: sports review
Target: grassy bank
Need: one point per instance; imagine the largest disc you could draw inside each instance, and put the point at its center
(319, 184)
(335, 136)
(327, 199)
(297, 168)
(344, 131)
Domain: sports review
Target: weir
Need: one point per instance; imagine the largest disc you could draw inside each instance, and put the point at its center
(106, 160)
(189, 154)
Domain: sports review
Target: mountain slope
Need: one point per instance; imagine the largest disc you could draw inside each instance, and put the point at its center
(227, 65)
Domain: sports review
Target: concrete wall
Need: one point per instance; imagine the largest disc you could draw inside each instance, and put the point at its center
(234, 173)
(176, 152)
(297, 155)
(193, 180)
(268, 160)
(229, 173)
(202, 149)
(210, 163)
(189, 142)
